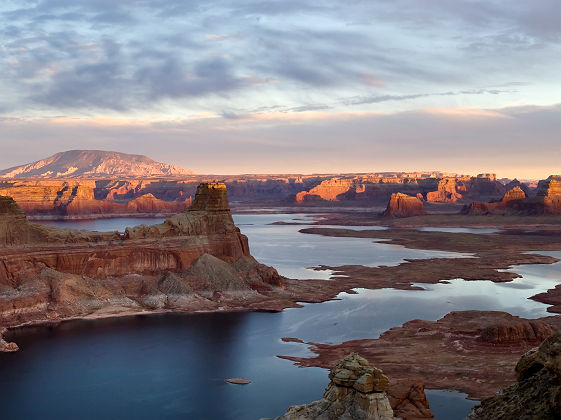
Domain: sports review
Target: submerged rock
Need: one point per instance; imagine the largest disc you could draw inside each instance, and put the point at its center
(356, 391)
(237, 381)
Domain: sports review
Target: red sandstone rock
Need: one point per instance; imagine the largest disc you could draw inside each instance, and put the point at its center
(403, 205)
(446, 193)
(408, 399)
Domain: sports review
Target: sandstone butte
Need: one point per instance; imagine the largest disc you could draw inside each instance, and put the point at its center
(195, 260)
(403, 205)
(516, 201)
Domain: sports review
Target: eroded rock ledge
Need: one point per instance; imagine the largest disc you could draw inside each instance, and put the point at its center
(195, 260)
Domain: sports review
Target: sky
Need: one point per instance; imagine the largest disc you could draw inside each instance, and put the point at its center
(291, 86)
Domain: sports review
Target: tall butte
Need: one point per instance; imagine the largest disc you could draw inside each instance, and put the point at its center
(195, 260)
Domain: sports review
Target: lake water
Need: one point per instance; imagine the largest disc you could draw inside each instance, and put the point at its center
(172, 366)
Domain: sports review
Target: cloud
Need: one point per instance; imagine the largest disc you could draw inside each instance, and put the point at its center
(147, 56)
(515, 141)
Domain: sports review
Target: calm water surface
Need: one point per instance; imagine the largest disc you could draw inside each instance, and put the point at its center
(173, 366)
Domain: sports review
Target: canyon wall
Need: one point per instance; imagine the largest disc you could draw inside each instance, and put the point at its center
(197, 259)
(516, 201)
(107, 197)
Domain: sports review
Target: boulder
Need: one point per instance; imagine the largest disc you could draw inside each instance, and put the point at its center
(356, 391)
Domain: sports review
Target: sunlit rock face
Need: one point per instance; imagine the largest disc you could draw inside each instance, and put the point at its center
(197, 259)
(403, 205)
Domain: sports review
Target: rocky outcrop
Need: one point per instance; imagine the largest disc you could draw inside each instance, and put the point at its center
(408, 399)
(356, 391)
(537, 392)
(403, 205)
(92, 164)
(197, 259)
(516, 201)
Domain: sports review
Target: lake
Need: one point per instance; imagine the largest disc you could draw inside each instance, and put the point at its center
(173, 366)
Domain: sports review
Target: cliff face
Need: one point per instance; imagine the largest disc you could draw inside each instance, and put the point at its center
(537, 392)
(50, 273)
(403, 205)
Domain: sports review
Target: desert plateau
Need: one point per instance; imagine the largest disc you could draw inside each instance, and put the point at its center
(280, 210)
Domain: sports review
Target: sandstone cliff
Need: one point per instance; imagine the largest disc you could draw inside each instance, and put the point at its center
(197, 259)
(356, 391)
(537, 392)
(403, 205)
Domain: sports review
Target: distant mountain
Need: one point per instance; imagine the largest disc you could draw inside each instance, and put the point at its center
(93, 164)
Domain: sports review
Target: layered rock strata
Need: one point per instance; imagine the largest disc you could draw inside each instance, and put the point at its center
(537, 392)
(197, 259)
(403, 205)
(356, 391)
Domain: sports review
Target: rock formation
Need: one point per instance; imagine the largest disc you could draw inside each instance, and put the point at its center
(516, 202)
(356, 391)
(537, 392)
(403, 205)
(197, 259)
(92, 164)
(447, 192)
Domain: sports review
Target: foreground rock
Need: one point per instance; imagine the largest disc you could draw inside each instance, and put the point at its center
(403, 205)
(537, 392)
(356, 391)
(195, 260)
(470, 351)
